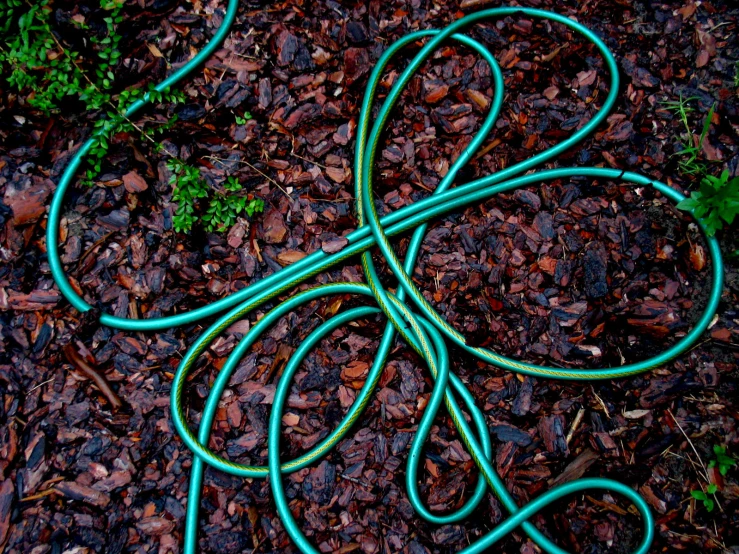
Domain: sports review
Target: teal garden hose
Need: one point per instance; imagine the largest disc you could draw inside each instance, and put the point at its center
(416, 321)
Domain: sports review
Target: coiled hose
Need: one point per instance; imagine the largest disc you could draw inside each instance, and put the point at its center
(423, 329)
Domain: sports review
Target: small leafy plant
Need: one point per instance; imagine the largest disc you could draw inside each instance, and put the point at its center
(241, 120)
(690, 148)
(703, 497)
(117, 122)
(223, 207)
(34, 60)
(716, 203)
(189, 186)
(723, 460)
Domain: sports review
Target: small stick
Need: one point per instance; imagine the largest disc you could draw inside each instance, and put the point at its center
(575, 425)
(91, 373)
(89, 252)
(41, 384)
(690, 442)
(40, 495)
(600, 401)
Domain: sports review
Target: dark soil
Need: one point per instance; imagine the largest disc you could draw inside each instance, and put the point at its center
(576, 273)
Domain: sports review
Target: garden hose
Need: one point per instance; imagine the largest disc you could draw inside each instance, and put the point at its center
(423, 329)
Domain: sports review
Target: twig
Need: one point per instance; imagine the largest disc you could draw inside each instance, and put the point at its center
(91, 373)
(89, 252)
(262, 173)
(45, 492)
(40, 385)
(40, 495)
(600, 401)
(306, 159)
(690, 442)
(575, 425)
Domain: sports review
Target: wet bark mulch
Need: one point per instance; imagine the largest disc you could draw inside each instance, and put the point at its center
(571, 273)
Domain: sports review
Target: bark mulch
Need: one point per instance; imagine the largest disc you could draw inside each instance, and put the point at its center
(575, 273)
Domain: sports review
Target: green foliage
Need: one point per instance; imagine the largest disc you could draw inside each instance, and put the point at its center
(689, 149)
(716, 203)
(36, 64)
(189, 186)
(708, 503)
(241, 120)
(232, 185)
(723, 460)
(104, 130)
(117, 122)
(223, 207)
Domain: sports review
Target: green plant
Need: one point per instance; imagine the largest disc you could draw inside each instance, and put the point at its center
(40, 66)
(723, 460)
(690, 148)
(117, 122)
(241, 120)
(223, 206)
(716, 203)
(708, 503)
(35, 62)
(189, 186)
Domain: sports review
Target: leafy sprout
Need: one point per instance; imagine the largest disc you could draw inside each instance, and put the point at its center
(708, 503)
(723, 460)
(716, 203)
(224, 207)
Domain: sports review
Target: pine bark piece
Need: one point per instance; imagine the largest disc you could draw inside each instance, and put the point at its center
(86, 494)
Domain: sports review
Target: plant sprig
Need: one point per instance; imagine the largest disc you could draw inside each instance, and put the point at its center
(690, 148)
(703, 497)
(48, 73)
(716, 203)
(223, 207)
(39, 64)
(723, 460)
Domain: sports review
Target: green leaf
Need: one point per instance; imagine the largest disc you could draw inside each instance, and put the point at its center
(700, 211)
(725, 460)
(729, 211)
(698, 495)
(712, 488)
(687, 205)
(706, 126)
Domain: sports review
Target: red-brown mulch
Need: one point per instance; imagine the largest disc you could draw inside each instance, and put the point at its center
(573, 273)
